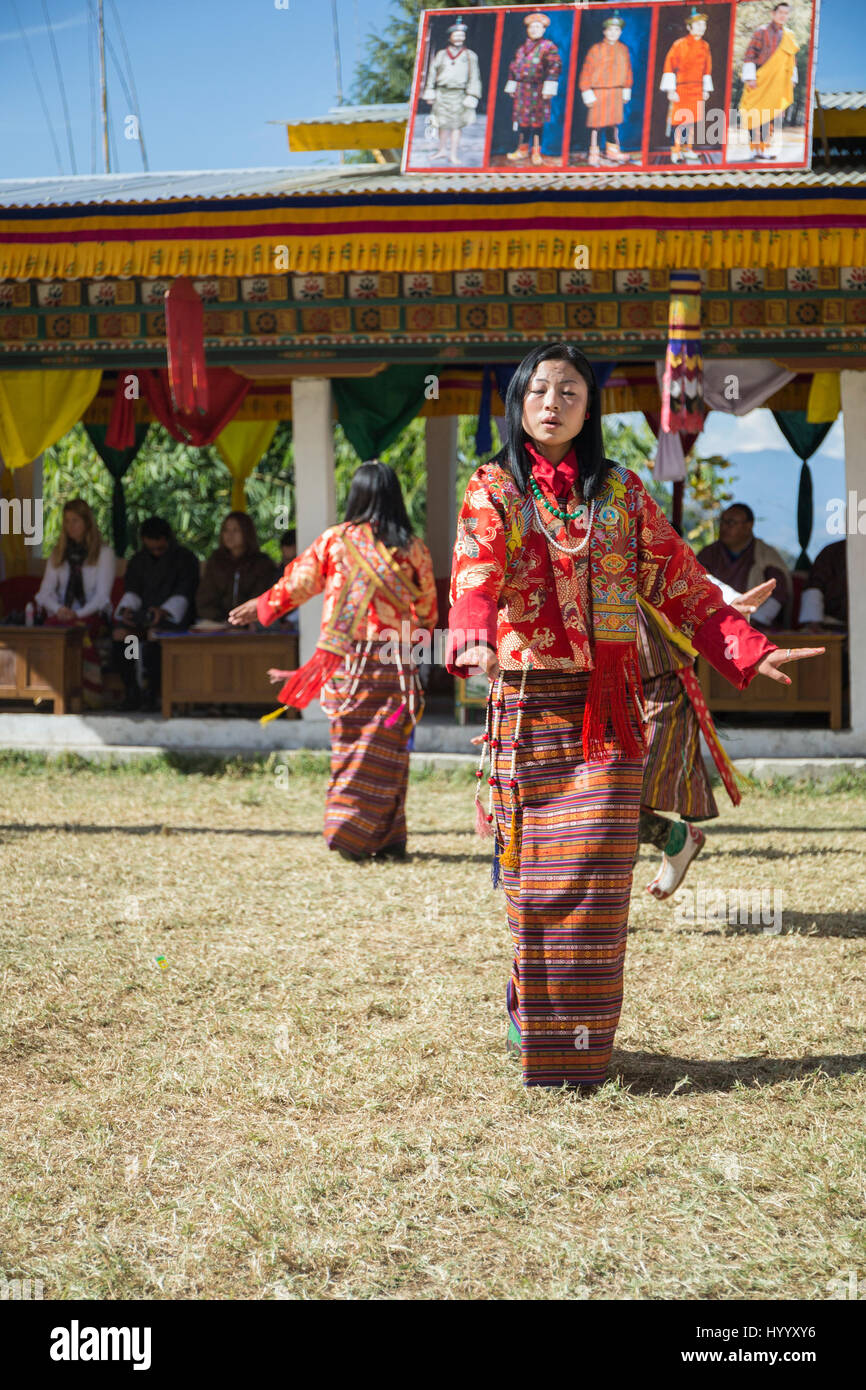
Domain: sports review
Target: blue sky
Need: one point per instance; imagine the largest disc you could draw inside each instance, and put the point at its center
(212, 74)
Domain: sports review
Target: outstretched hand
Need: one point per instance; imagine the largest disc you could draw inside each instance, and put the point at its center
(485, 657)
(771, 664)
(245, 613)
(753, 598)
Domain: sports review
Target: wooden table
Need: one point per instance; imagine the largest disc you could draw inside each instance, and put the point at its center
(816, 684)
(42, 663)
(224, 668)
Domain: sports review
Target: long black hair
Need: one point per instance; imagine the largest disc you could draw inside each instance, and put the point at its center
(377, 497)
(588, 445)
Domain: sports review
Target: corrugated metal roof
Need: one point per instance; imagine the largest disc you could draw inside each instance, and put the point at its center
(374, 179)
(843, 101)
(347, 115)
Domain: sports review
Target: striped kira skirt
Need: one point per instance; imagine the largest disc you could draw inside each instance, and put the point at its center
(365, 806)
(568, 901)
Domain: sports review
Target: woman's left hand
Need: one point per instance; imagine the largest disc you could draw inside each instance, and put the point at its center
(770, 665)
(278, 677)
(753, 598)
(66, 615)
(245, 613)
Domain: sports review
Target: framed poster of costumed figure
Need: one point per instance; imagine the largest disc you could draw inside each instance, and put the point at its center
(689, 95)
(672, 86)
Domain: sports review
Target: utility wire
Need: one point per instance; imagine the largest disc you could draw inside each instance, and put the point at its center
(45, 110)
(134, 103)
(59, 72)
(126, 92)
(91, 72)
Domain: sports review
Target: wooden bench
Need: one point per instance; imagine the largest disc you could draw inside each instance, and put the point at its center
(816, 684)
(42, 663)
(224, 668)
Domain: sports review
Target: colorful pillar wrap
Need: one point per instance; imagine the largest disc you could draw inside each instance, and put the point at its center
(184, 334)
(682, 383)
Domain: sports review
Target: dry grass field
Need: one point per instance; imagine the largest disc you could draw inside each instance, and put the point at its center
(309, 1096)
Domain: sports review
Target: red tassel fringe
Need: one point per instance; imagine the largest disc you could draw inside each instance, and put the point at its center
(184, 333)
(610, 700)
(306, 683)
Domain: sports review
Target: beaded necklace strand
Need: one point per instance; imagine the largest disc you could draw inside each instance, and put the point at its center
(557, 511)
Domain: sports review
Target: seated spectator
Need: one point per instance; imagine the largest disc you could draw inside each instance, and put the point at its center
(236, 571)
(80, 570)
(289, 546)
(739, 558)
(824, 600)
(161, 580)
(76, 588)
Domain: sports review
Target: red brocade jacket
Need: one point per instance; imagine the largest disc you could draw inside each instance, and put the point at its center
(534, 603)
(324, 566)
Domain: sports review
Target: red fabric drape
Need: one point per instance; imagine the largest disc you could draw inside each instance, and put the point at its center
(184, 340)
(226, 389)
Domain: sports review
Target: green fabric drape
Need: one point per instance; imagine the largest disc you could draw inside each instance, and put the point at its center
(373, 410)
(117, 461)
(805, 439)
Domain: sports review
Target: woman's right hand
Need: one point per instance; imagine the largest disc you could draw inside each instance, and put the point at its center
(245, 613)
(485, 657)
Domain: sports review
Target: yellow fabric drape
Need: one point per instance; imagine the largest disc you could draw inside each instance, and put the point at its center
(37, 408)
(241, 445)
(825, 398)
(11, 545)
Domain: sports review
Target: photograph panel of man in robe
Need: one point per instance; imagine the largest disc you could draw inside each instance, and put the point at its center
(453, 90)
(533, 82)
(612, 59)
(687, 82)
(449, 121)
(688, 125)
(768, 122)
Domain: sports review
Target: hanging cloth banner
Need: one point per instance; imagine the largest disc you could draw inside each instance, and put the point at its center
(184, 338)
(241, 444)
(38, 408)
(670, 459)
(735, 386)
(374, 410)
(682, 383)
(118, 462)
(825, 398)
(805, 439)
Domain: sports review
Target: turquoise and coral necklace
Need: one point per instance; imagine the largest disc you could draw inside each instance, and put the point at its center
(557, 511)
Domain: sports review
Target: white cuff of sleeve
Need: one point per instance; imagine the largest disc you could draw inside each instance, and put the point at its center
(728, 593)
(812, 606)
(429, 96)
(768, 610)
(750, 72)
(708, 84)
(626, 93)
(128, 601)
(470, 101)
(550, 89)
(668, 82)
(175, 607)
(588, 97)
(511, 88)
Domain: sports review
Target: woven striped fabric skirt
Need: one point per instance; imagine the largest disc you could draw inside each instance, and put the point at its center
(365, 807)
(568, 901)
(675, 778)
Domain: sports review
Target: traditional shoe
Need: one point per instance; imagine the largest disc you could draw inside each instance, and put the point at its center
(614, 153)
(595, 159)
(395, 851)
(676, 156)
(512, 1040)
(675, 867)
(522, 152)
(350, 855)
(691, 156)
(536, 157)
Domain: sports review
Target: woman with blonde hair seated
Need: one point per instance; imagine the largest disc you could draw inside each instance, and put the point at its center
(76, 586)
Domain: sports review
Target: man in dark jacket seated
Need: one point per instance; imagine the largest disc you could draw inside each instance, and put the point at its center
(161, 580)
